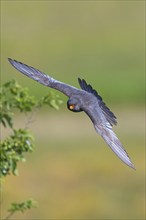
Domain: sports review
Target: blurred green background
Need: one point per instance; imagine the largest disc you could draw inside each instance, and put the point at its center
(72, 173)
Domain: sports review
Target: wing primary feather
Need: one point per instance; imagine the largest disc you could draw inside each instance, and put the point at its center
(31, 72)
(114, 143)
(42, 78)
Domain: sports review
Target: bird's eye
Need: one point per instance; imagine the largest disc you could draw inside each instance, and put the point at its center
(71, 107)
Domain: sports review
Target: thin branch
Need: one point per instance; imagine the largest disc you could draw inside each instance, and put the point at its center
(9, 215)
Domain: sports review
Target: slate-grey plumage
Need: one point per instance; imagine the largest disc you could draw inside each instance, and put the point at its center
(85, 99)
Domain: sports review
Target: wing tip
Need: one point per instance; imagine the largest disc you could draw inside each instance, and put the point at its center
(131, 165)
(79, 80)
(113, 142)
(10, 60)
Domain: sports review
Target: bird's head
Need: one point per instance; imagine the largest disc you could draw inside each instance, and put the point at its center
(74, 105)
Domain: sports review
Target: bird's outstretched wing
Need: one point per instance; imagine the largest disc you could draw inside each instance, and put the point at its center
(104, 128)
(42, 78)
(111, 118)
(114, 143)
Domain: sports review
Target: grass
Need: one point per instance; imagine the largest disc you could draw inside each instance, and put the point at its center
(101, 42)
(73, 174)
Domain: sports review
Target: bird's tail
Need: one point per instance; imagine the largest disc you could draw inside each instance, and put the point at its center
(114, 143)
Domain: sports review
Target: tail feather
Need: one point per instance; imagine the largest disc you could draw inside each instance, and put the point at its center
(116, 146)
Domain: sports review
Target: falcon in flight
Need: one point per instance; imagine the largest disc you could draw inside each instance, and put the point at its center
(85, 99)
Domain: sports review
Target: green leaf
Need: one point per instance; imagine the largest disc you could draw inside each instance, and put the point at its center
(23, 206)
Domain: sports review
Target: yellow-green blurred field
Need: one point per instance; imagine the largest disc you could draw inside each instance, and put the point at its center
(72, 173)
